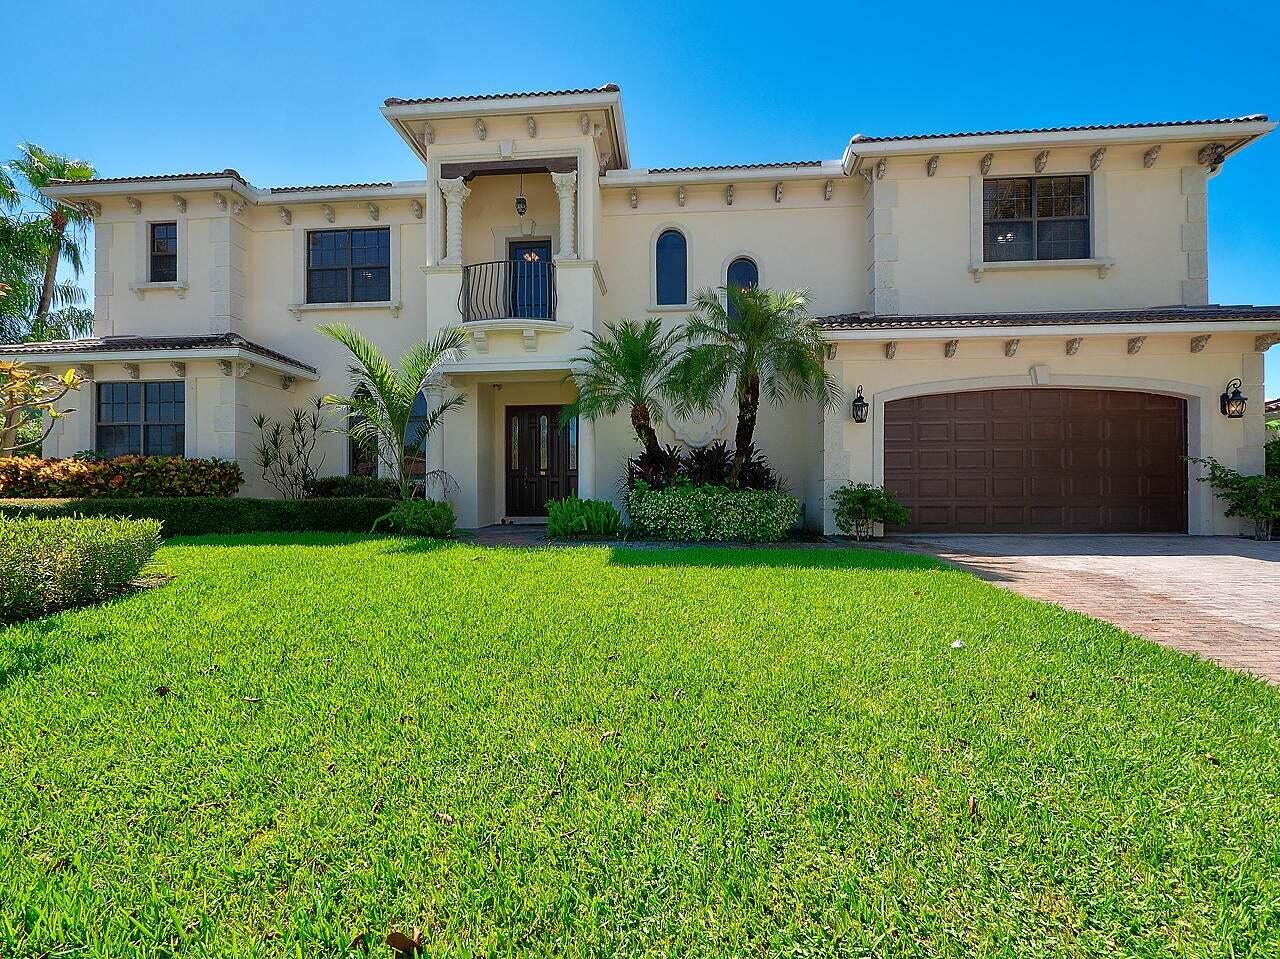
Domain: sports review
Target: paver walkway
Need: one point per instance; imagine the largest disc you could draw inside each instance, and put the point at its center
(1215, 596)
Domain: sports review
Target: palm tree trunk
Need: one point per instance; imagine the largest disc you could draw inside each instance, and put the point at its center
(748, 407)
(642, 423)
(59, 219)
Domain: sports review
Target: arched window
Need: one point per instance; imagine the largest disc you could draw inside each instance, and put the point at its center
(414, 452)
(362, 459)
(671, 266)
(743, 273)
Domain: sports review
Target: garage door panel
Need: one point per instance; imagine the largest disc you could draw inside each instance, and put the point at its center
(1039, 460)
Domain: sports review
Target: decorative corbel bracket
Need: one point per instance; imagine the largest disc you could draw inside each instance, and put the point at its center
(1041, 161)
(679, 196)
(949, 350)
(243, 369)
(286, 216)
(482, 131)
(179, 369)
(180, 202)
(132, 370)
(428, 134)
(374, 212)
(480, 340)
(828, 189)
(395, 309)
(584, 124)
(1135, 345)
(1198, 343)
(975, 270)
(1104, 269)
(891, 349)
(1149, 157)
(1212, 155)
(327, 210)
(1095, 158)
(531, 125)
(777, 192)
(931, 167)
(134, 203)
(1073, 345)
(92, 207)
(984, 165)
(1011, 347)
(286, 382)
(634, 198)
(238, 205)
(1265, 341)
(416, 207)
(881, 166)
(728, 195)
(529, 337)
(220, 202)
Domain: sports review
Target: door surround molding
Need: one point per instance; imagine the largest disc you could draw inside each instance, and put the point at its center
(1200, 406)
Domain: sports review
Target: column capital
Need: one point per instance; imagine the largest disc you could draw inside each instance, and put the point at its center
(455, 190)
(565, 183)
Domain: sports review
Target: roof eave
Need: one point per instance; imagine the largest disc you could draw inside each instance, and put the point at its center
(74, 356)
(75, 191)
(1247, 131)
(643, 177)
(940, 332)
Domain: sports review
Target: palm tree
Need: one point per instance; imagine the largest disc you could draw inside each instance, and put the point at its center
(380, 412)
(40, 168)
(628, 366)
(759, 339)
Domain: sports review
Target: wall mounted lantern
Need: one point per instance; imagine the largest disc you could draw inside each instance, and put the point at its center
(860, 407)
(522, 204)
(1232, 402)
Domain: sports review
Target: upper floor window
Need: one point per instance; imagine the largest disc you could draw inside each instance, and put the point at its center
(164, 253)
(349, 266)
(1035, 218)
(742, 273)
(671, 269)
(142, 418)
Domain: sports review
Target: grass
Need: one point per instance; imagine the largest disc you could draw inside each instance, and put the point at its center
(307, 739)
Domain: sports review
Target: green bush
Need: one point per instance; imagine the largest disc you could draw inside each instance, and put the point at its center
(418, 517)
(1256, 498)
(365, 487)
(89, 475)
(705, 513)
(1273, 456)
(197, 516)
(858, 507)
(51, 564)
(571, 517)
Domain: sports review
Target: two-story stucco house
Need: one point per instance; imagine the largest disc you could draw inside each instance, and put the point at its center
(1025, 312)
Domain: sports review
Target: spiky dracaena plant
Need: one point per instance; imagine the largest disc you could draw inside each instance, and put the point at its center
(760, 340)
(629, 365)
(381, 402)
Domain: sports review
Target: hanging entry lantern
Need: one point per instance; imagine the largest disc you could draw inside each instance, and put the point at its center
(1233, 401)
(860, 407)
(522, 204)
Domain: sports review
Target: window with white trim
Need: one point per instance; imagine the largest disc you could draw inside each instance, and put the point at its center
(1035, 218)
(349, 266)
(671, 269)
(147, 419)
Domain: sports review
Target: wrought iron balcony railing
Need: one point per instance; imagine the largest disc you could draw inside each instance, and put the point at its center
(508, 289)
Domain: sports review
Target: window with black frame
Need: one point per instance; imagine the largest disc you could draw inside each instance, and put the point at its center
(1035, 218)
(141, 418)
(349, 266)
(164, 252)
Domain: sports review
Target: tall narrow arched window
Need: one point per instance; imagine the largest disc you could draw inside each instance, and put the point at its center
(742, 273)
(671, 268)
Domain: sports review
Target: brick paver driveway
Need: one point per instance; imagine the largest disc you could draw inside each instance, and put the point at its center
(1215, 596)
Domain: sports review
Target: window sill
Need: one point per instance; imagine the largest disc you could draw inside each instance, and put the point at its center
(670, 308)
(140, 290)
(297, 309)
(1101, 264)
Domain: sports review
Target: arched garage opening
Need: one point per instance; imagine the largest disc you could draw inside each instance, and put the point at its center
(1039, 459)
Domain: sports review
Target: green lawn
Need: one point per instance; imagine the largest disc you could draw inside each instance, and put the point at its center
(303, 739)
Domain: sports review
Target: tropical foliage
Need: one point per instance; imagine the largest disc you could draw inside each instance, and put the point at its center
(120, 476)
(859, 506)
(287, 451)
(26, 394)
(381, 411)
(760, 342)
(571, 517)
(628, 367)
(419, 517)
(690, 513)
(1256, 498)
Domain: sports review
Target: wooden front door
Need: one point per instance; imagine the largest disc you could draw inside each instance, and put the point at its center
(542, 459)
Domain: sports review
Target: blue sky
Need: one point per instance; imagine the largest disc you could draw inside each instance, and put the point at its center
(289, 93)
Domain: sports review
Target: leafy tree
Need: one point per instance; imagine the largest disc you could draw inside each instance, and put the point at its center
(25, 394)
(760, 340)
(630, 366)
(379, 412)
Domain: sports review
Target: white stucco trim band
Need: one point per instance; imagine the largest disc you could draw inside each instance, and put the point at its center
(86, 357)
(1065, 331)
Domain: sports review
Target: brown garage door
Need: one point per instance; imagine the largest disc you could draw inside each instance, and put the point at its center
(1039, 460)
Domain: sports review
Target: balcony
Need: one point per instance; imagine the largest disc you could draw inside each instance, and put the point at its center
(518, 289)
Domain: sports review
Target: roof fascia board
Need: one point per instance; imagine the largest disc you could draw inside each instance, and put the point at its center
(642, 177)
(63, 191)
(406, 188)
(166, 356)
(1014, 141)
(1184, 327)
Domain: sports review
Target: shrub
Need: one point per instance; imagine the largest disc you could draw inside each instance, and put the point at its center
(51, 564)
(30, 476)
(201, 515)
(1254, 497)
(571, 517)
(418, 517)
(710, 465)
(657, 471)
(1273, 456)
(365, 487)
(699, 513)
(286, 447)
(860, 506)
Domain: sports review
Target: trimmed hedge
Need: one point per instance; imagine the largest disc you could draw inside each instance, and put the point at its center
(52, 564)
(32, 477)
(367, 487)
(199, 515)
(704, 513)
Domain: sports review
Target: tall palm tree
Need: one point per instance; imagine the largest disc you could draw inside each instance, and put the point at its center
(66, 226)
(630, 365)
(379, 412)
(759, 339)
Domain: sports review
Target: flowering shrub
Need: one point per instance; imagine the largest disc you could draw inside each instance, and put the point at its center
(31, 477)
(688, 512)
